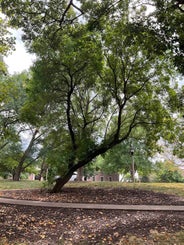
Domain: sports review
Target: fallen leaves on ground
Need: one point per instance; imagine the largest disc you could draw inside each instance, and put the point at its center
(49, 226)
(97, 195)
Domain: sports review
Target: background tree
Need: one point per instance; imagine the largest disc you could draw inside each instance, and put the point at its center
(6, 45)
(119, 159)
(168, 171)
(6, 42)
(11, 95)
(167, 20)
(178, 145)
(16, 153)
(26, 157)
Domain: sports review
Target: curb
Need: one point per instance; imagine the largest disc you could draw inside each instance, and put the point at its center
(92, 206)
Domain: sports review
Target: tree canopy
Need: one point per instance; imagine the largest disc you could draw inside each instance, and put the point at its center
(6, 42)
(168, 21)
(104, 70)
(16, 154)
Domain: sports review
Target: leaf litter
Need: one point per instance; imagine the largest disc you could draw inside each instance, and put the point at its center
(49, 226)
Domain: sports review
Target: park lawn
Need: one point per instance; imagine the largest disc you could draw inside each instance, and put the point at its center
(155, 238)
(168, 188)
(22, 184)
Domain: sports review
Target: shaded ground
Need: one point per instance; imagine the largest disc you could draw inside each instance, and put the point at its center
(37, 225)
(98, 195)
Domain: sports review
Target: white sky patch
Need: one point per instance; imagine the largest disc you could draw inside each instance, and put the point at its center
(25, 137)
(19, 60)
(167, 154)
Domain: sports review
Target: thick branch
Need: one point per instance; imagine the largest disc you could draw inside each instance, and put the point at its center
(68, 111)
(62, 20)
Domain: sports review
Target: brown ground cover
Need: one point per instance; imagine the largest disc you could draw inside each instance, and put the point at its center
(40, 225)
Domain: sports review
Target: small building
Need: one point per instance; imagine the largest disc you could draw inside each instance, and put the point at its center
(100, 176)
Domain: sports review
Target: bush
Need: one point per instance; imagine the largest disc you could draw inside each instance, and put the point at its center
(171, 176)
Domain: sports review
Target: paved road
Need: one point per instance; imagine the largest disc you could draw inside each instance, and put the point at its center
(92, 206)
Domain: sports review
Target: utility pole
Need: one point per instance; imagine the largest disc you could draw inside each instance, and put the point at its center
(133, 165)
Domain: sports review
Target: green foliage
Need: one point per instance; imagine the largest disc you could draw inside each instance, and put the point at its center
(10, 158)
(169, 26)
(169, 176)
(98, 79)
(12, 97)
(12, 126)
(179, 129)
(168, 172)
(6, 42)
(58, 164)
(119, 159)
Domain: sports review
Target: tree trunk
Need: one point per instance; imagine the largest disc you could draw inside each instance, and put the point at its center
(20, 168)
(80, 174)
(17, 173)
(61, 182)
(43, 170)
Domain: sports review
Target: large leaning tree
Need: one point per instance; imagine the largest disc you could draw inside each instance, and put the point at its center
(101, 74)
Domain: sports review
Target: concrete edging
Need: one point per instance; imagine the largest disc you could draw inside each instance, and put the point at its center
(92, 206)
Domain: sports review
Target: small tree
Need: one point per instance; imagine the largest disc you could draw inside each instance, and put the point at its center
(119, 159)
(168, 171)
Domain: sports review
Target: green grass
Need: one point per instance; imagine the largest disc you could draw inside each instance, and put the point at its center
(169, 188)
(155, 238)
(22, 184)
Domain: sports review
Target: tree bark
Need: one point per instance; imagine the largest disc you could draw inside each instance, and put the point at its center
(43, 170)
(80, 174)
(20, 168)
(17, 173)
(61, 182)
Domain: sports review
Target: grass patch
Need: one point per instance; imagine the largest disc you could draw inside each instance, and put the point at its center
(22, 184)
(155, 238)
(168, 188)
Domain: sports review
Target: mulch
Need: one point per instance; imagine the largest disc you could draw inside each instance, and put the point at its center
(50, 226)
